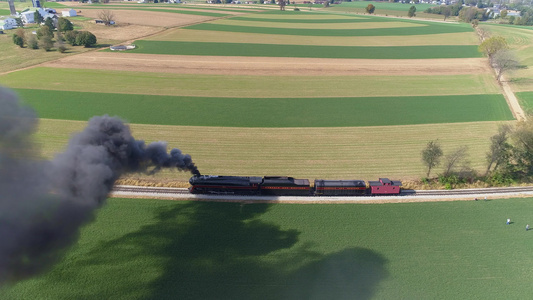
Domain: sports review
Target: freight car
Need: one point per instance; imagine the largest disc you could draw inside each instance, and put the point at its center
(289, 186)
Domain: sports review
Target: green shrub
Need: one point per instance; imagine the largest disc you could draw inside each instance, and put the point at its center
(32, 42)
(18, 40)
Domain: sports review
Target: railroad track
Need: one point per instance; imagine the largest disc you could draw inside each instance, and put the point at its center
(165, 192)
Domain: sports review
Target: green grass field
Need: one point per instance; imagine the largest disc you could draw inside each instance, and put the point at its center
(385, 9)
(241, 86)
(526, 101)
(397, 31)
(272, 112)
(273, 50)
(340, 19)
(385, 5)
(156, 249)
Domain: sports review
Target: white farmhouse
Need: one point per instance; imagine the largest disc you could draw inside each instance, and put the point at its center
(69, 13)
(8, 23)
(28, 16)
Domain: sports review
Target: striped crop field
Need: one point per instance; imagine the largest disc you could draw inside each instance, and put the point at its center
(391, 31)
(273, 50)
(271, 112)
(333, 153)
(333, 24)
(185, 35)
(239, 86)
(274, 82)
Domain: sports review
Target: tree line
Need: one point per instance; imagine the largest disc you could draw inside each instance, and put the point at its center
(45, 39)
(509, 158)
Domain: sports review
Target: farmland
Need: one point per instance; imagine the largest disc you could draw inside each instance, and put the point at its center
(288, 76)
(238, 49)
(140, 249)
(271, 112)
(520, 40)
(241, 86)
(311, 95)
(334, 152)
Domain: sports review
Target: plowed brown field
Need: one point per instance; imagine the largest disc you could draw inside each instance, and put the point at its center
(148, 18)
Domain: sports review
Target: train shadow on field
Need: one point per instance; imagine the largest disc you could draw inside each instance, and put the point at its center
(224, 251)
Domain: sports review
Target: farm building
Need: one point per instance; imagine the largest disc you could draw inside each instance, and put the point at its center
(69, 13)
(53, 17)
(8, 23)
(28, 16)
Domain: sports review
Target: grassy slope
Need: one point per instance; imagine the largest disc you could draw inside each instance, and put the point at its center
(272, 112)
(247, 86)
(333, 153)
(140, 249)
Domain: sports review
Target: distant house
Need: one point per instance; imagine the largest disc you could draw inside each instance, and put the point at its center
(513, 13)
(53, 17)
(8, 23)
(69, 13)
(28, 16)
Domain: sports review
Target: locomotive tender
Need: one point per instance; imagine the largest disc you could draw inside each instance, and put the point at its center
(289, 186)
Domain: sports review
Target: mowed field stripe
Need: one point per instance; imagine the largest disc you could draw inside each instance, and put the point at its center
(351, 25)
(355, 152)
(402, 31)
(245, 86)
(180, 34)
(277, 50)
(317, 20)
(271, 112)
(270, 66)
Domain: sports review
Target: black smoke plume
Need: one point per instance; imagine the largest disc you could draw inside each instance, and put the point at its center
(43, 204)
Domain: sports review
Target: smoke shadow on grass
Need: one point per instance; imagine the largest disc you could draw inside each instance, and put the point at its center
(223, 251)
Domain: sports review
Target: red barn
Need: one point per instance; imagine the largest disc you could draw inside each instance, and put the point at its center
(385, 187)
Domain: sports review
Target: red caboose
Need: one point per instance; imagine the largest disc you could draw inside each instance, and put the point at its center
(385, 187)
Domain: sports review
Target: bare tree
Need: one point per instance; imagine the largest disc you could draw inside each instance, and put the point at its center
(453, 159)
(431, 155)
(483, 34)
(106, 16)
(504, 60)
(499, 148)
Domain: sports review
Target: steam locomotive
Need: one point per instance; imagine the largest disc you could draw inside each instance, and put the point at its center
(289, 186)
